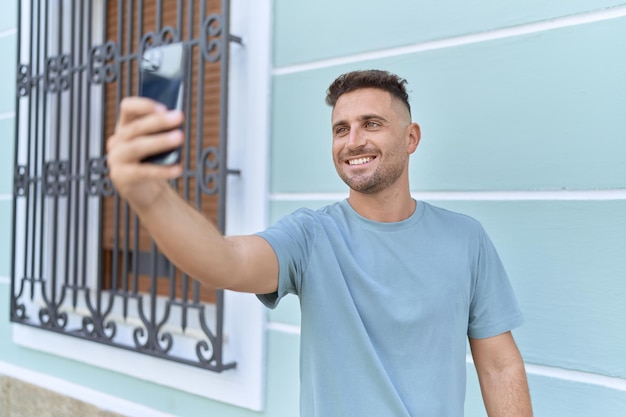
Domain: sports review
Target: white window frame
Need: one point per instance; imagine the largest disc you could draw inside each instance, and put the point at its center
(245, 317)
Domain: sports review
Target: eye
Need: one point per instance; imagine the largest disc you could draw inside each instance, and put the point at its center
(370, 124)
(341, 130)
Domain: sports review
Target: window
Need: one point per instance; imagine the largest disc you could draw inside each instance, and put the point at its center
(83, 266)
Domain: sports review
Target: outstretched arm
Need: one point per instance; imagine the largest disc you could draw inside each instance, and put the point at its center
(502, 376)
(186, 237)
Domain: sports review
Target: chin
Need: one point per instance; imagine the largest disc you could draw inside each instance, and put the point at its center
(364, 188)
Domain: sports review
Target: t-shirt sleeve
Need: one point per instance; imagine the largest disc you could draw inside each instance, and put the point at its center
(493, 307)
(291, 238)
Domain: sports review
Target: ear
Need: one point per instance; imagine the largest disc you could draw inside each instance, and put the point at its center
(414, 134)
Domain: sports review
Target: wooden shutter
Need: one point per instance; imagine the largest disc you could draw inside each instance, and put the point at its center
(126, 28)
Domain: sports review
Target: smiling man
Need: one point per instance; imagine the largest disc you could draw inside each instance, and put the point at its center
(373, 137)
(390, 288)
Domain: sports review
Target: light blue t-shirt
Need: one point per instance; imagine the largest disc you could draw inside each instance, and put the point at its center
(387, 308)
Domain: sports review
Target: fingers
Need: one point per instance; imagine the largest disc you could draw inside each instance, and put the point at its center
(136, 150)
(144, 128)
(141, 123)
(132, 108)
(131, 177)
(142, 172)
(141, 117)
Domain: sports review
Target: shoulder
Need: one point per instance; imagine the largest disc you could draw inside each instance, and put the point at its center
(450, 219)
(309, 220)
(298, 232)
(450, 226)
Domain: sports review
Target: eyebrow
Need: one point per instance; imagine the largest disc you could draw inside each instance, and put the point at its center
(361, 118)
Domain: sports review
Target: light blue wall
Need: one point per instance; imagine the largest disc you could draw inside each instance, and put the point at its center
(307, 31)
(565, 259)
(541, 111)
(7, 103)
(525, 111)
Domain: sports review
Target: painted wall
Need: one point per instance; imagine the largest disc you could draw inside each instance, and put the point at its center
(521, 108)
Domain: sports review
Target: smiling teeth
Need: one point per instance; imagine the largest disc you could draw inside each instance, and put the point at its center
(359, 161)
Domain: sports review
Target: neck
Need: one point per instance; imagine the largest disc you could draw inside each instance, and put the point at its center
(383, 207)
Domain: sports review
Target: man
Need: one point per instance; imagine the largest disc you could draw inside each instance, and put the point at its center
(390, 288)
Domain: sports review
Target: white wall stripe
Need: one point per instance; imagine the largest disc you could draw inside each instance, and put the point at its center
(8, 32)
(7, 115)
(6, 197)
(532, 369)
(5, 280)
(569, 375)
(81, 393)
(618, 384)
(560, 195)
(526, 29)
(283, 328)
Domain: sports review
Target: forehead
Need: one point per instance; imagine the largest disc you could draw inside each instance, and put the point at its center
(367, 101)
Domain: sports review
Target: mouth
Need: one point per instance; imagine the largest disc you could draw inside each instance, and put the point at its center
(360, 161)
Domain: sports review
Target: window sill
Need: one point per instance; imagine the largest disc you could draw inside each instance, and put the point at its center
(242, 386)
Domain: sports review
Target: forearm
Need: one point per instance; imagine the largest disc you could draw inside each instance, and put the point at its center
(186, 237)
(196, 246)
(182, 233)
(502, 376)
(505, 392)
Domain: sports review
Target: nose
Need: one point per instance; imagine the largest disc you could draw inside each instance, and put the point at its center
(356, 138)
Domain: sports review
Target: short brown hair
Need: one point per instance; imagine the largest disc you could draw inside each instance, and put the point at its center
(356, 80)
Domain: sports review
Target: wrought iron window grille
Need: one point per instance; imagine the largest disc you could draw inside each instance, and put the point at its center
(64, 280)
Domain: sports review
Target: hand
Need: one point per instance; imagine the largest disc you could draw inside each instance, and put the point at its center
(144, 128)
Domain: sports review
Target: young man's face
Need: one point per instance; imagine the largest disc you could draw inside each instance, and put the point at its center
(371, 139)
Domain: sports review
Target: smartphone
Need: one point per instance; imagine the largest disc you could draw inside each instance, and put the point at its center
(162, 77)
